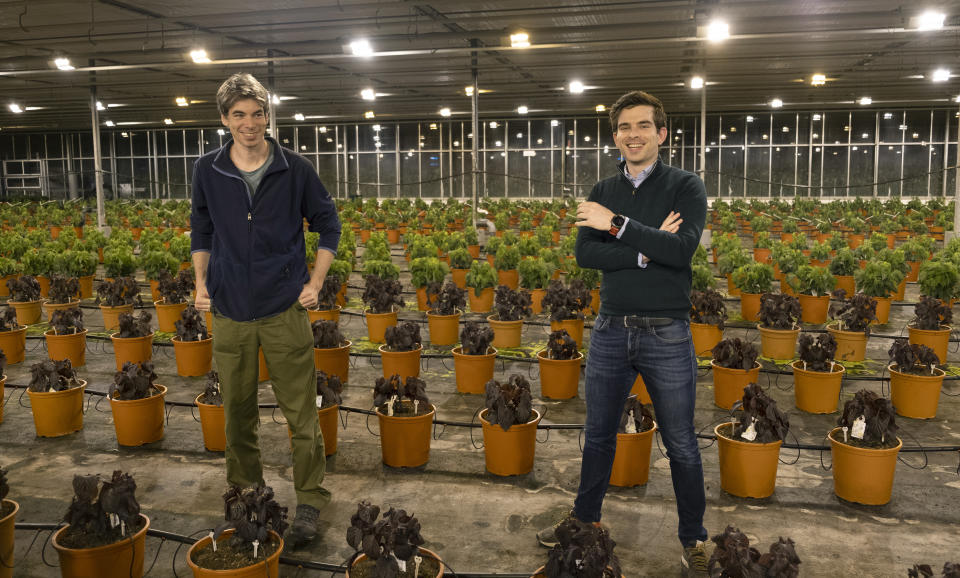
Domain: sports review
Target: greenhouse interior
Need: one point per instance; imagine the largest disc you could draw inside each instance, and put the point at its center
(507, 255)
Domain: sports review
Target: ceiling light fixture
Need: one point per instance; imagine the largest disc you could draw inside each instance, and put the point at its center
(696, 82)
(275, 99)
(776, 103)
(199, 56)
(109, 123)
(361, 47)
(468, 90)
(63, 64)
(930, 20)
(15, 108)
(221, 132)
(167, 121)
(182, 101)
(522, 109)
(818, 79)
(718, 31)
(298, 116)
(600, 108)
(369, 114)
(520, 40)
(368, 94)
(100, 106)
(941, 75)
(576, 87)
(865, 101)
(445, 112)
(554, 123)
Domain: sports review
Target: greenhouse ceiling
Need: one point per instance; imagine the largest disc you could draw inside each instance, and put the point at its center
(810, 55)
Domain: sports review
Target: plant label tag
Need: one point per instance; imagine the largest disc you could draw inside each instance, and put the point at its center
(859, 427)
(750, 433)
(319, 401)
(402, 564)
(631, 423)
(256, 545)
(213, 543)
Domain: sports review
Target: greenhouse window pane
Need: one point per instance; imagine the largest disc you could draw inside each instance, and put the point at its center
(586, 133)
(936, 168)
(915, 168)
(861, 170)
(888, 170)
(192, 141)
(835, 171)
(327, 169)
(732, 129)
(540, 134)
(891, 130)
(864, 127)
(757, 128)
(731, 181)
(518, 184)
(430, 173)
(837, 127)
(174, 143)
(782, 175)
(918, 121)
(285, 136)
(307, 139)
(409, 173)
(758, 170)
(430, 137)
(785, 128)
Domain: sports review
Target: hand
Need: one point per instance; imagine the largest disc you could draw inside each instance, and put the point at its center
(594, 215)
(672, 223)
(308, 296)
(202, 301)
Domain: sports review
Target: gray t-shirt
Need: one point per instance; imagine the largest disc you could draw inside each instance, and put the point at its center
(253, 178)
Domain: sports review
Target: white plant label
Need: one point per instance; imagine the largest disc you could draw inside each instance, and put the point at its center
(213, 543)
(859, 427)
(402, 564)
(319, 401)
(416, 565)
(750, 433)
(631, 424)
(256, 545)
(416, 405)
(393, 400)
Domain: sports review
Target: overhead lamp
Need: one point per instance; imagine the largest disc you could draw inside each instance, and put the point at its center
(903, 127)
(298, 116)
(519, 135)
(554, 123)
(498, 144)
(368, 94)
(221, 132)
(749, 119)
(696, 82)
(275, 99)
(941, 75)
(956, 98)
(15, 108)
(109, 123)
(930, 20)
(468, 90)
(167, 121)
(776, 103)
(816, 117)
(100, 106)
(369, 114)
(576, 87)
(887, 115)
(361, 47)
(124, 135)
(865, 135)
(818, 79)
(600, 108)
(522, 109)
(718, 31)
(63, 64)
(493, 124)
(199, 56)
(785, 129)
(376, 128)
(182, 101)
(865, 101)
(520, 40)
(433, 126)
(445, 112)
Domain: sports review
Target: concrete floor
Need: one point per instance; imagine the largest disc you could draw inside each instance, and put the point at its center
(480, 523)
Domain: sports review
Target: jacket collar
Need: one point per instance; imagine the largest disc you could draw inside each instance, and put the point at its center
(657, 167)
(223, 164)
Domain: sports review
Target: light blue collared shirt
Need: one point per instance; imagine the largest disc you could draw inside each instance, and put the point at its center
(636, 181)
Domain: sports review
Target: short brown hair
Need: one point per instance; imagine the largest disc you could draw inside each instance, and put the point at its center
(638, 98)
(238, 87)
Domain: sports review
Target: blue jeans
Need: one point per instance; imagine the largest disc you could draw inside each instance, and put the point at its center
(664, 356)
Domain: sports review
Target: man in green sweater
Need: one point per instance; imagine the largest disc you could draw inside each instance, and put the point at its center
(643, 325)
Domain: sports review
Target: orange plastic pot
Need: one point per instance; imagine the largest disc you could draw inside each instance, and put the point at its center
(263, 374)
(86, 286)
(49, 308)
(863, 475)
(509, 277)
(916, 396)
(506, 334)
(342, 296)
(14, 343)
(817, 391)
(883, 309)
(559, 378)
(334, 361)
(4, 290)
(483, 303)
(423, 552)
(761, 255)
(7, 524)
(472, 372)
(851, 345)
(268, 568)
(44, 282)
(814, 309)
(898, 295)
(377, 324)
(444, 329)
(139, 421)
(193, 357)
(72, 346)
(168, 315)
(914, 273)
(639, 389)
(536, 300)
(594, 302)
(405, 441)
(778, 343)
(847, 283)
(459, 277)
(747, 470)
(573, 326)
(212, 425)
(631, 462)
(732, 288)
(123, 559)
(403, 363)
(705, 337)
(510, 452)
(325, 314)
(750, 306)
(57, 413)
(28, 312)
(154, 290)
(936, 339)
(327, 417)
(111, 315)
(728, 383)
(132, 349)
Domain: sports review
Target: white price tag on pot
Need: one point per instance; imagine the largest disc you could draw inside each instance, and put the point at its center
(319, 401)
(859, 427)
(750, 433)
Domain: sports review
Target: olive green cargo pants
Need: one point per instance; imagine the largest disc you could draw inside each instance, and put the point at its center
(287, 343)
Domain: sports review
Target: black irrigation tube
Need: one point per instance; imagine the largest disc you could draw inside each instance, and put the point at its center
(294, 562)
(541, 426)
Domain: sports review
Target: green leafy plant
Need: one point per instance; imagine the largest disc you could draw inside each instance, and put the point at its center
(534, 273)
(481, 276)
(754, 278)
(77, 263)
(809, 280)
(939, 278)
(118, 261)
(9, 267)
(762, 240)
(843, 263)
(507, 258)
(820, 251)
(460, 259)
(153, 262)
(426, 270)
(382, 269)
(878, 279)
(702, 278)
(38, 262)
(589, 277)
(732, 260)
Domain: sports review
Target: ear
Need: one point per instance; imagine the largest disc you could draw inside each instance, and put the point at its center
(661, 135)
(223, 120)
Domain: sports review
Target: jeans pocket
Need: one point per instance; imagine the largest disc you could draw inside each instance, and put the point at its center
(676, 332)
(601, 323)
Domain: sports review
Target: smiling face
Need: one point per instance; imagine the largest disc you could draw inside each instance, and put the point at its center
(637, 137)
(247, 122)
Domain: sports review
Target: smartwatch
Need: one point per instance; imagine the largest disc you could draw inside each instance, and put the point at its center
(616, 223)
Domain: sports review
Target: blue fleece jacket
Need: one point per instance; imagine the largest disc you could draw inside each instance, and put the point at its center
(257, 254)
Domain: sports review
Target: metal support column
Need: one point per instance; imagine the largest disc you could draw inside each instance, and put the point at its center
(97, 160)
(475, 122)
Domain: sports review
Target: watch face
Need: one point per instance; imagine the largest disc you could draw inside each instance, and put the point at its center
(617, 221)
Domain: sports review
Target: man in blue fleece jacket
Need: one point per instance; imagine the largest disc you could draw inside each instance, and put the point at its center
(643, 325)
(250, 198)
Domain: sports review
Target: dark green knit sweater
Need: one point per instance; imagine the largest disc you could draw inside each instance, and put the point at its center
(662, 289)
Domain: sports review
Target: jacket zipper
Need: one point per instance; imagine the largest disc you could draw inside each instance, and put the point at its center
(249, 261)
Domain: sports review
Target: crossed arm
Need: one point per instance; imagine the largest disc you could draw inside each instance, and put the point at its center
(593, 215)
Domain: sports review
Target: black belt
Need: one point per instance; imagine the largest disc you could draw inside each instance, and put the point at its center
(640, 321)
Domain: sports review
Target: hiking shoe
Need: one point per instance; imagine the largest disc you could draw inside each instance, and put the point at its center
(548, 536)
(304, 527)
(694, 561)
